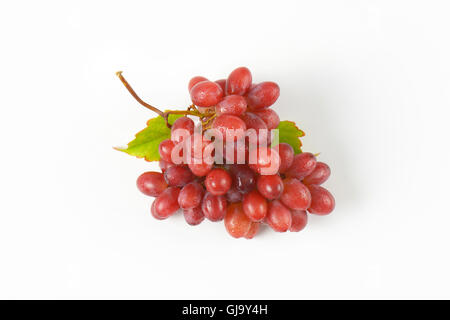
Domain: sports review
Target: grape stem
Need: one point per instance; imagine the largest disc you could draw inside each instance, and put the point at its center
(192, 110)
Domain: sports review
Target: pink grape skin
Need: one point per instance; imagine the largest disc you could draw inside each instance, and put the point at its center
(233, 195)
(320, 174)
(322, 201)
(252, 121)
(226, 122)
(244, 179)
(239, 81)
(299, 220)
(267, 161)
(234, 105)
(237, 147)
(194, 216)
(236, 222)
(191, 195)
(178, 176)
(151, 183)
(295, 195)
(167, 203)
(214, 207)
(302, 165)
(181, 123)
(222, 83)
(286, 153)
(270, 117)
(200, 169)
(255, 206)
(165, 150)
(254, 228)
(263, 95)
(278, 217)
(271, 186)
(164, 165)
(153, 212)
(198, 145)
(206, 94)
(194, 81)
(218, 182)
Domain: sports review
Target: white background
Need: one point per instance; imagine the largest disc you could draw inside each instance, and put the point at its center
(368, 81)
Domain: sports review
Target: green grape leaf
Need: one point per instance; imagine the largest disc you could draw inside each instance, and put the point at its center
(289, 133)
(147, 141)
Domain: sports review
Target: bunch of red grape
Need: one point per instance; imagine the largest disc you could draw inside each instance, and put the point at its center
(244, 195)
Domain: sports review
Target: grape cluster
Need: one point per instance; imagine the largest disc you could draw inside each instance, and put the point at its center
(242, 194)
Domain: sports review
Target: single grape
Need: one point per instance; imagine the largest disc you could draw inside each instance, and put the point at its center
(236, 152)
(322, 201)
(270, 187)
(233, 195)
(214, 207)
(302, 165)
(286, 153)
(254, 228)
(244, 179)
(255, 206)
(200, 169)
(236, 222)
(198, 144)
(165, 150)
(191, 195)
(264, 161)
(206, 94)
(222, 83)
(194, 81)
(153, 212)
(319, 175)
(239, 81)
(167, 203)
(181, 123)
(295, 194)
(218, 182)
(194, 216)
(299, 220)
(270, 117)
(151, 183)
(164, 165)
(230, 127)
(263, 95)
(178, 176)
(252, 121)
(234, 105)
(278, 217)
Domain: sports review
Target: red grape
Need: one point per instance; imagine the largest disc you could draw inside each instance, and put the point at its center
(181, 123)
(178, 176)
(234, 104)
(322, 202)
(295, 194)
(239, 81)
(222, 83)
(278, 217)
(270, 117)
(214, 207)
(252, 121)
(206, 94)
(194, 216)
(286, 153)
(200, 169)
(167, 203)
(255, 206)
(264, 161)
(299, 220)
(233, 195)
(230, 127)
(270, 186)
(194, 81)
(254, 228)
(165, 150)
(244, 179)
(263, 95)
(153, 212)
(218, 182)
(302, 165)
(319, 175)
(236, 152)
(151, 183)
(164, 165)
(190, 195)
(236, 222)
